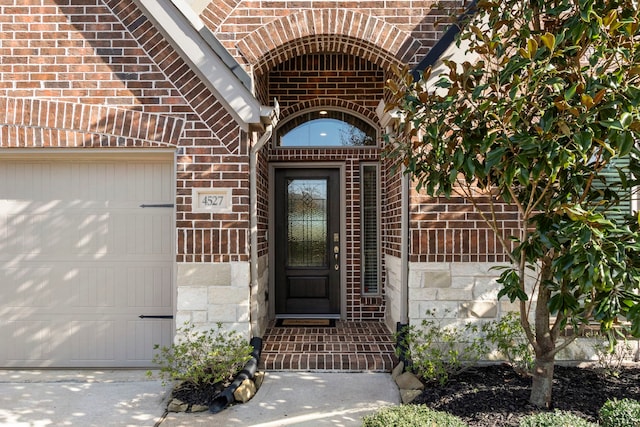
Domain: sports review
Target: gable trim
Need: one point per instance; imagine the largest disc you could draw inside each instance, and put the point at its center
(192, 40)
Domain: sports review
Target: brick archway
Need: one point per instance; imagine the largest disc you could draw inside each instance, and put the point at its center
(327, 30)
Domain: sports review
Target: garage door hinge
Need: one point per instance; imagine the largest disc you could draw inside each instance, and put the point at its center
(142, 316)
(166, 205)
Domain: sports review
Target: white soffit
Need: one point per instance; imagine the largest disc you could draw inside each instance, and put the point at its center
(184, 30)
(198, 5)
(452, 53)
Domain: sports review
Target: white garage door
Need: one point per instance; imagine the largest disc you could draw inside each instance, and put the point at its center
(81, 260)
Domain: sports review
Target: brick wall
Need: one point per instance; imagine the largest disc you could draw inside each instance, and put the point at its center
(97, 74)
(392, 209)
(327, 76)
(451, 230)
(258, 32)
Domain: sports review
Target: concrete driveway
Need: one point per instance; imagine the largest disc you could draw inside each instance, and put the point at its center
(86, 398)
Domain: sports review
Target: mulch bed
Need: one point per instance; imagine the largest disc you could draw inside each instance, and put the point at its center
(202, 394)
(497, 396)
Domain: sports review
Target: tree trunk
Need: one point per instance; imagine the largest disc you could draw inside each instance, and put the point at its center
(542, 384)
(545, 343)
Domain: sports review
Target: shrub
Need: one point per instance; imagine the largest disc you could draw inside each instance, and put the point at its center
(202, 357)
(411, 416)
(436, 352)
(620, 413)
(555, 419)
(611, 356)
(509, 338)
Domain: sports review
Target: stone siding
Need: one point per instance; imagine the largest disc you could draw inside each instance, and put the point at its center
(214, 292)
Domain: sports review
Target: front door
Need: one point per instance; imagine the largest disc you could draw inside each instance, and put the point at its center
(307, 242)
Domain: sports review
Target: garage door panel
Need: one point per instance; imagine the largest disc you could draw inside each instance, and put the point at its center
(23, 288)
(143, 335)
(93, 288)
(93, 340)
(86, 288)
(89, 340)
(30, 341)
(80, 261)
(118, 233)
(83, 342)
(147, 288)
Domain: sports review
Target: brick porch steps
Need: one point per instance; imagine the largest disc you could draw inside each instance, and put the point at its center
(348, 347)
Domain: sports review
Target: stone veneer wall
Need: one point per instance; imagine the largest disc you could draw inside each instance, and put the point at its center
(467, 292)
(211, 293)
(458, 291)
(393, 283)
(259, 301)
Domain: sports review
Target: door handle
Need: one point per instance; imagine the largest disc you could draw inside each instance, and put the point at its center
(336, 256)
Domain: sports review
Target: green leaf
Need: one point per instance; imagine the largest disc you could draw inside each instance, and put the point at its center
(583, 139)
(626, 119)
(612, 124)
(626, 141)
(569, 93)
(494, 157)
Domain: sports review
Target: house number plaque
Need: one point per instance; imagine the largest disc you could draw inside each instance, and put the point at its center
(213, 200)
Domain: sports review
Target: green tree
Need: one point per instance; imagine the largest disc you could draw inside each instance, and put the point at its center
(543, 109)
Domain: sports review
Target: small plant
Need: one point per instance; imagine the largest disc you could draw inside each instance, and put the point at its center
(612, 357)
(202, 357)
(436, 352)
(620, 413)
(508, 336)
(411, 416)
(555, 419)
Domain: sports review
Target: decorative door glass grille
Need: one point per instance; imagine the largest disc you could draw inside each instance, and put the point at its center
(307, 222)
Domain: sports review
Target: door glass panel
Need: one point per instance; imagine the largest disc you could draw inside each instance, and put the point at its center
(306, 222)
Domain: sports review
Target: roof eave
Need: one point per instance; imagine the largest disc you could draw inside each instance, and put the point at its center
(199, 48)
(445, 46)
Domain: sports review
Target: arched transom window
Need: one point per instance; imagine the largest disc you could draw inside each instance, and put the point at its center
(326, 128)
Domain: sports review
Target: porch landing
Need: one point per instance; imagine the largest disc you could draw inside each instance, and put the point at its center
(347, 347)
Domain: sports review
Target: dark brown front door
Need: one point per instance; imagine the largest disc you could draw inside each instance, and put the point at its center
(307, 242)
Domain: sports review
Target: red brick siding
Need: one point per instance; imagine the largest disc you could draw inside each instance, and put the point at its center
(451, 230)
(310, 78)
(28, 122)
(93, 73)
(391, 209)
(262, 187)
(401, 30)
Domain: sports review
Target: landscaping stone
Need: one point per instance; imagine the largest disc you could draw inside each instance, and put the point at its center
(409, 396)
(397, 371)
(408, 381)
(245, 391)
(258, 379)
(177, 405)
(198, 408)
